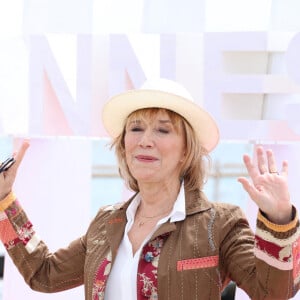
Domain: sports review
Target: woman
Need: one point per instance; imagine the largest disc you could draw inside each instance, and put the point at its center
(168, 241)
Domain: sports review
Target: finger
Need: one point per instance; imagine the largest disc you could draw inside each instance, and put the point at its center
(252, 170)
(271, 161)
(248, 187)
(285, 168)
(261, 160)
(19, 155)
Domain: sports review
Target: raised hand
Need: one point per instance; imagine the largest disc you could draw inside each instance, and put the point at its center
(269, 186)
(7, 178)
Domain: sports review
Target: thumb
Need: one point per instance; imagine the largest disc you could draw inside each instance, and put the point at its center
(248, 187)
(19, 155)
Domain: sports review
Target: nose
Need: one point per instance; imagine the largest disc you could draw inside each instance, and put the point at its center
(146, 139)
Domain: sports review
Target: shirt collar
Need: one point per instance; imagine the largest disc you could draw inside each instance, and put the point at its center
(177, 214)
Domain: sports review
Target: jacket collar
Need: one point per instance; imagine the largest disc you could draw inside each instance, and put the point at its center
(196, 202)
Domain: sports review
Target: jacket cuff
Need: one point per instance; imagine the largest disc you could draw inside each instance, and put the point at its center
(7, 201)
(15, 228)
(277, 227)
(279, 245)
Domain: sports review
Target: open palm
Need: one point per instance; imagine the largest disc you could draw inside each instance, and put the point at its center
(268, 187)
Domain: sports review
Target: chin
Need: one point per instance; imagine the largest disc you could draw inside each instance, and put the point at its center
(147, 178)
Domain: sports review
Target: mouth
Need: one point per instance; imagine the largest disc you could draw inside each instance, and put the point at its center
(146, 158)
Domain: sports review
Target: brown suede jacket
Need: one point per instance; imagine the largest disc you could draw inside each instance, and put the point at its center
(191, 259)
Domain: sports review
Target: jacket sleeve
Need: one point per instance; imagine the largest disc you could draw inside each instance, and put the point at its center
(266, 265)
(43, 271)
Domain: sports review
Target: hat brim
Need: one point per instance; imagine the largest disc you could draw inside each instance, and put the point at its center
(120, 106)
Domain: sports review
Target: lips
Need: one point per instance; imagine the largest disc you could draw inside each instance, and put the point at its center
(146, 158)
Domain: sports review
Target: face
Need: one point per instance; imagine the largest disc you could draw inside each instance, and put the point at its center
(154, 149)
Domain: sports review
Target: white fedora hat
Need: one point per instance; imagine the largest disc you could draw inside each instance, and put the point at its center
(161, 93)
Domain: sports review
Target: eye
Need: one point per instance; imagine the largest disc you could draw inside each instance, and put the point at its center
(164, 130)
(136, 128)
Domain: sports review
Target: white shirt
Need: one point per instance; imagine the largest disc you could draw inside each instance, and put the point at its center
(121, 283)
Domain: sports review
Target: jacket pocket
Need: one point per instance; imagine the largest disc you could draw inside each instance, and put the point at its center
(198, 263)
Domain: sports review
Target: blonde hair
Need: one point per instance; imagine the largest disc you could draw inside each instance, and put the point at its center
(193, 170)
